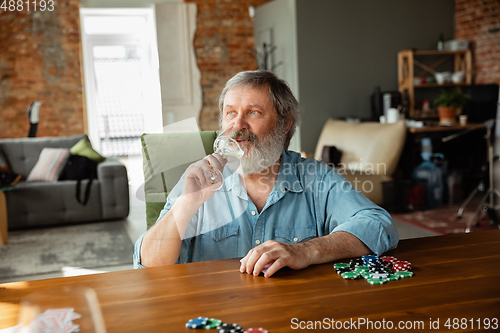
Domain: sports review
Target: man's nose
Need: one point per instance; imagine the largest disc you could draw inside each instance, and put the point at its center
(240, 122)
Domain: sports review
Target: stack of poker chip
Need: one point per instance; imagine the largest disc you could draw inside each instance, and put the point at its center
(375, 269)
(399, 266)
(212, 323)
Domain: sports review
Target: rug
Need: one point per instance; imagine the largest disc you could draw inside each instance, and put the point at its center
(47, 250)
(443, 220)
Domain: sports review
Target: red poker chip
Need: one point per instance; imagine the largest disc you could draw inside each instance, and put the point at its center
(389, 259)
(401, 268)
(402, 263)
(256, 330)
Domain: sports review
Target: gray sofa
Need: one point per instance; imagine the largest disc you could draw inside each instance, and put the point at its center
(34, 204)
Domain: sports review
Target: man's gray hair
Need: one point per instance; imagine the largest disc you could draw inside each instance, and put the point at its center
(280, 93)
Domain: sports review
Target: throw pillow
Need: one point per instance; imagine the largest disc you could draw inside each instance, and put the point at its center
(84, 148)
(49, 166)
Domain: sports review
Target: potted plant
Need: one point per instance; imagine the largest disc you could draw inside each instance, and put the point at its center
(448, 102)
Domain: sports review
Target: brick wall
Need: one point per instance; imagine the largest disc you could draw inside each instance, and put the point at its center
(224, 44)
(478, 21)
(40, 61)
(40, 58)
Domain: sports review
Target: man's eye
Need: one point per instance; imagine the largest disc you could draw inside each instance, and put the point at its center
(254, 112)
(229, 113)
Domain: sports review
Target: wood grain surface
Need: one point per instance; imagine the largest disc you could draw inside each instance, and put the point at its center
(456, 276)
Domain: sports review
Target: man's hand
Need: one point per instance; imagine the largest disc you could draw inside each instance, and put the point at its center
(277, 255)
(203, 178)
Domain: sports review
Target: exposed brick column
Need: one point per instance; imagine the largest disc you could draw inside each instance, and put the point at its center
(224, 44)
(478, 21)
(40, 61)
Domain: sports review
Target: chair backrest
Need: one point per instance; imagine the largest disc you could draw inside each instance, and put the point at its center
(165, 158)
(365, 146)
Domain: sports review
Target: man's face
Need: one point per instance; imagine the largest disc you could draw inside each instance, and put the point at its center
(253, 120)
(249, 110)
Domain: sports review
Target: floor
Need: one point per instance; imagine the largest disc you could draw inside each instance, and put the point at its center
(135, 225)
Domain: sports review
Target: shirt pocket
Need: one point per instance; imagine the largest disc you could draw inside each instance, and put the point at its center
(294, 235)
(225, 233)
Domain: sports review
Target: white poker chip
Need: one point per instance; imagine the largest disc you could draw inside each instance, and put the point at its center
(379, 275)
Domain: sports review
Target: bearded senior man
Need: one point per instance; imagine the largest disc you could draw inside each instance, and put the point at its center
(278, 210)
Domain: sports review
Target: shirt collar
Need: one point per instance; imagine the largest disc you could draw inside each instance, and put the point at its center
(288, 179)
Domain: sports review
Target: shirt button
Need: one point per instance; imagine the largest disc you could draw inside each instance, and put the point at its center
(295, 239)
(253, 212)
(257, 242)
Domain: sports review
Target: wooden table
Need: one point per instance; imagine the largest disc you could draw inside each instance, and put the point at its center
(441, 128)
(456, 276)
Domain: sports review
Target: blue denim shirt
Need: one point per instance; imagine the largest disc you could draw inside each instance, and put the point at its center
(308, 200)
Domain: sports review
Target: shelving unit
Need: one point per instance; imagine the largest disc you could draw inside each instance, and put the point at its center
(409, 60)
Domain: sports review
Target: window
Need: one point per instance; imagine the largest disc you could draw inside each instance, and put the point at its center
(121, 78)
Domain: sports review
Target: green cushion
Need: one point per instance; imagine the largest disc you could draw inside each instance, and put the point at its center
(165, 158)
(84, 148)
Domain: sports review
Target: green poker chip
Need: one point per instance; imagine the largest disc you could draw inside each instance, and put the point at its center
(377, 281)
(361, 269)
(365, 275)
(212, 323)
(350, 275)
(341, 265)
(404, 274)
(394, 277)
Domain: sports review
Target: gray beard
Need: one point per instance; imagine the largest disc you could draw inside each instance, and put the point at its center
(263, 154)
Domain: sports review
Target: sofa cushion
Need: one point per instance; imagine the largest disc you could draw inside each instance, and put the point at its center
(49, 166)
(84, 148)
(43, 204)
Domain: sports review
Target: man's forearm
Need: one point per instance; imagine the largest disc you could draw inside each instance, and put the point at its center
(162, 243)
(338, 245)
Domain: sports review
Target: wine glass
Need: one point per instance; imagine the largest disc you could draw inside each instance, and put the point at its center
(229, 149)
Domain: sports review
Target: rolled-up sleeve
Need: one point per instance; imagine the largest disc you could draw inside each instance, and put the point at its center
(137, 252)
(346, 209)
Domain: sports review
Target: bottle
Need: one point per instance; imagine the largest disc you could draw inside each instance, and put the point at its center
(429, 172)
(440, 43)
(387, 103)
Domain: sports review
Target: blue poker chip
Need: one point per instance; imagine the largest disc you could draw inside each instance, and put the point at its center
(370, 257)
(197, 322)
(372, 263)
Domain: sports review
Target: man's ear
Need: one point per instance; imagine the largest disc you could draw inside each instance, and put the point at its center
(288, 127)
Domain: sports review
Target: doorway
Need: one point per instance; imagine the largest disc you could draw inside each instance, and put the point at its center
(122, 85)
